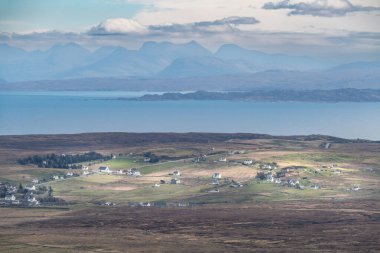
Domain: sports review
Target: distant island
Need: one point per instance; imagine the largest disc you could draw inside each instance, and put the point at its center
(337, 95)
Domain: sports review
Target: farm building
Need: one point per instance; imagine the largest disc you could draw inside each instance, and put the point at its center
(30, 187)
(10, 198)
(104, 169)
(216, 175)
(175, 181)
(247, 162)
(175, 173)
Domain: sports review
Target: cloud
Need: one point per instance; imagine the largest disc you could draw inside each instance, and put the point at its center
(230, 23)
(117, 26)
(120, 26)
(324, 8)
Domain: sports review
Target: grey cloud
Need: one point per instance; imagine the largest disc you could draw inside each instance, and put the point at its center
(205, 26)
(319, 8)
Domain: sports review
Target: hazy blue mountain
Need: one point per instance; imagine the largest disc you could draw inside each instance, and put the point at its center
(199, 66)
(10, 54)
(170, 51)
(255, 61)
(165, 60)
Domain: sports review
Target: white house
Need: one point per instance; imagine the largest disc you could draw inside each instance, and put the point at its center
(85, 173)
(270, 178)
(84, 168)
(223, 159)
(247, 162)
(35, 181)
(70, 174)
(175, 173)
(33, 200)
(175, 181)
(315, 187)
(10, 198)
(30, 187)
(216, 175)
(134, 173)
(104, 169)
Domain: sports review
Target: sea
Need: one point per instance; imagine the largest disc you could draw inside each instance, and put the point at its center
(27, 112)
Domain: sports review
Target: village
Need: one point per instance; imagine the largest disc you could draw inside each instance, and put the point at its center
(217, 174)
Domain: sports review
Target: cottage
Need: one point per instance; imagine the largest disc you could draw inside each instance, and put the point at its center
(10, 198)
(35, 181)
(104, 169)
(236, 184)
(175, 181)
(33, 201)
(315, 187)
(85, 173)
(146, 159)
(133, 172)
(268, 166)
(156, 185)
(69, 174)
(269, 178)
(84, 168)
(175, 173)
(216, 175)
(292, 182)
(247, 162)
(30, 187)
(223, 159)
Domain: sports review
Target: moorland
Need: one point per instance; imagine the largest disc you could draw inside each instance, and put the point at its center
(190, 192)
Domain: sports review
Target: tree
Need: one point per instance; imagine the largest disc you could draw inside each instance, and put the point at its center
(20, 188)
(50, 191)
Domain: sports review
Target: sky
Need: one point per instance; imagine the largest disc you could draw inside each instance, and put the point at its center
(304, 27)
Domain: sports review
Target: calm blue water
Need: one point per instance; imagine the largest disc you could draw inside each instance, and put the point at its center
(77, 112)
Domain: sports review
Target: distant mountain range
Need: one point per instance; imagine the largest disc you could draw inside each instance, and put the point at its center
(166, 66)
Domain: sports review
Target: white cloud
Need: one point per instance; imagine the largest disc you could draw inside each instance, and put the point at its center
(118, 26)
(324, 8)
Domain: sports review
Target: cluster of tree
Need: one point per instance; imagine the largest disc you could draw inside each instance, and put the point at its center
(261, 175)
(152, 157)
(52, 200)
(3, 191)
(63, 161)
